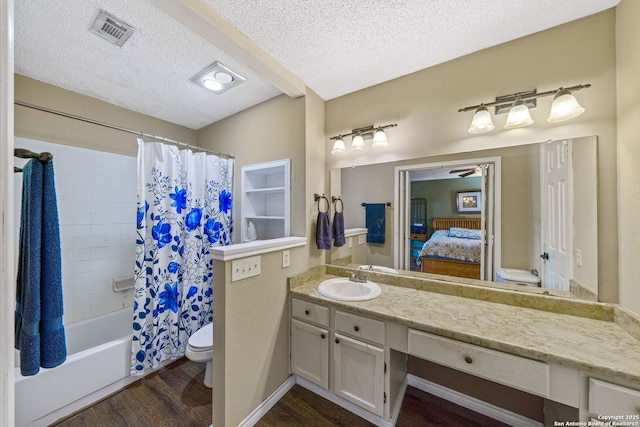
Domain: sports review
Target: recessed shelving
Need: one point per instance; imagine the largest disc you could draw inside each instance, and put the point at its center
(265, 199)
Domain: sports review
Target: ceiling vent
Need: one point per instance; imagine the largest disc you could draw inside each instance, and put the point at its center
(112, 29)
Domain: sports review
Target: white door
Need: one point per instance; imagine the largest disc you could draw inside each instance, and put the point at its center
(359, 373)
(487, 221)
(310, 352)
(402, 221)
(556, 215)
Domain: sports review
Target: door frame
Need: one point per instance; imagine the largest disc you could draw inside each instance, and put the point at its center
(402, 198)
(7, 267)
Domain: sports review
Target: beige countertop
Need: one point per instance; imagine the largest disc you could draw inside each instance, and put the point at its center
(586, 343)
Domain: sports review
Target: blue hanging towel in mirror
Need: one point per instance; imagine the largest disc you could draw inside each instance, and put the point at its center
(374, 220)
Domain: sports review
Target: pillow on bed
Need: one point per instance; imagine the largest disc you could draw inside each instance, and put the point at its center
(464, 233)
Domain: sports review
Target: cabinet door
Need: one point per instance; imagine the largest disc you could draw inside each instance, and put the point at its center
(359, 373)
(310, 352)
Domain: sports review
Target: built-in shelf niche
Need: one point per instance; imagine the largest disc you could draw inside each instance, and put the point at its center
(265, 199)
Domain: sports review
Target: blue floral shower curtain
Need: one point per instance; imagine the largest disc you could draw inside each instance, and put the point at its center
(184, 208)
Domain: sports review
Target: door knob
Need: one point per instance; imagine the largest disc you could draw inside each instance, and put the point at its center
(545, 256)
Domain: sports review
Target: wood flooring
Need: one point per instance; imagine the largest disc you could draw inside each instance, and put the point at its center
(176, 396)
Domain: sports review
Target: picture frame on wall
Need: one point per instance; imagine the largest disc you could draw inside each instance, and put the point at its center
(469, 201)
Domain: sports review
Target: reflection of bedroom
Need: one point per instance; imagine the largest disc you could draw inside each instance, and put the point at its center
(437, 195)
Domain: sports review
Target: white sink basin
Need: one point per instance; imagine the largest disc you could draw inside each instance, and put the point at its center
(378, 269)
(344, 289)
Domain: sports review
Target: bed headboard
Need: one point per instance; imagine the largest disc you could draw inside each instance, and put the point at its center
(446, 223)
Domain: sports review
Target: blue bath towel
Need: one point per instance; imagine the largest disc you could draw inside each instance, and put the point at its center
(323, 231)
(374, 220)
(338, 229)
(39, 331)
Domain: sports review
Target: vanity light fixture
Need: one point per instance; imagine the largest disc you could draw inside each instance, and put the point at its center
(357, 143)
(481, 121)
(217, 78)
(359, 135)
(338, 147)
(564, 107)
(518, 116)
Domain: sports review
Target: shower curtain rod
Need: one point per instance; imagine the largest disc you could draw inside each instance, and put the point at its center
(122, 129)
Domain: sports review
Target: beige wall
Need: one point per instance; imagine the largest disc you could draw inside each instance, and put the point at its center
(425, 104)
(316, 181)
(251, 335)
(628, 92)
(251, 325)
(43, 126)
(273, 130)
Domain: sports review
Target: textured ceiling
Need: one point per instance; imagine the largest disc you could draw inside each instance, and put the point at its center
(334, 46)
(150, 74)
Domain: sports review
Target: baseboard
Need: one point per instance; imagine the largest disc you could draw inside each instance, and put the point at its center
(479, 406)
(268, 403)
(378, 421)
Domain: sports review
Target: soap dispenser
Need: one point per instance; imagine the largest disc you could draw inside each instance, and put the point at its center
(252, 234)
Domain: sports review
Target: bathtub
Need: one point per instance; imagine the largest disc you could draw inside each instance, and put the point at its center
(97, 365)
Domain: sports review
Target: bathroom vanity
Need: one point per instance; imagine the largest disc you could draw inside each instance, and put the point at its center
(354, 353)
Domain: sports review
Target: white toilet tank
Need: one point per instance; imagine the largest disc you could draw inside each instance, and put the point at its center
(516, 277)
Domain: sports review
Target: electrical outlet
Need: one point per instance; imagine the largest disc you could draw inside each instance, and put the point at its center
(362, 239)
(245, 267)
(285, 259)
(350, 240)
(579, 257)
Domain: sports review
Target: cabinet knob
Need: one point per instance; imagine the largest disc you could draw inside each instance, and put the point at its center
(337, 341)
(322, 336)
(356, 328)
(468, 359)
(306, 312)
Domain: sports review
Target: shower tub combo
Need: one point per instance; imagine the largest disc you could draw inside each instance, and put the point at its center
(97, 365)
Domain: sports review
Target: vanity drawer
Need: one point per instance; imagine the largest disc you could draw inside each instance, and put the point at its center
(310, 312)
(611, 399)
(517, 372)
(360, 327)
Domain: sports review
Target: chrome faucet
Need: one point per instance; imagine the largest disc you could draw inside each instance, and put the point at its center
(362, 278)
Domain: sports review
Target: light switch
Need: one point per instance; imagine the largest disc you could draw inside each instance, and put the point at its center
(245, 267)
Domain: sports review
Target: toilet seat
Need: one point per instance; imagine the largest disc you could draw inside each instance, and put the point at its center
(202, 339)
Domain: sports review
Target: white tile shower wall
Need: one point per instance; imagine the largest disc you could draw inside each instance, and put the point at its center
(96, 194)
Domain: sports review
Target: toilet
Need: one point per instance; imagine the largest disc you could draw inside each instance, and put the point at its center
(200, 349)
(517, 277)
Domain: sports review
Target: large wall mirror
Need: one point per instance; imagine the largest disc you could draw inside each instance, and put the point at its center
(535, 219)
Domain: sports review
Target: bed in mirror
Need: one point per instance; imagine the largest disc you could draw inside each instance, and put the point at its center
(535, 207)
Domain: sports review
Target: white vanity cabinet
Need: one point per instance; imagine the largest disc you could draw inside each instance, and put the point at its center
(310, 342)
(612, 400)
(359, 366)
(266, 200)
(355, 366)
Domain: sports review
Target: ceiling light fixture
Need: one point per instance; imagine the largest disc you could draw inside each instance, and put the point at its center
(564, 107)
(217, 78)
(359, 135)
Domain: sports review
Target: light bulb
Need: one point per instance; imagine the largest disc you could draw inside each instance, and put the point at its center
(212, 84)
